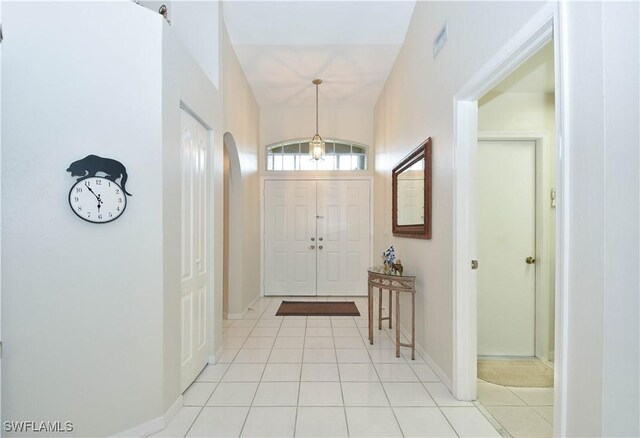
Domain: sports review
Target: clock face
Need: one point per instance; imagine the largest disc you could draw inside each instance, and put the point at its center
(97, 199)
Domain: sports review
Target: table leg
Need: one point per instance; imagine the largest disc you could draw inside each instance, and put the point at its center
(390, 307)
(413, 326)
(370, 314)
(379, 309)
(397, 324)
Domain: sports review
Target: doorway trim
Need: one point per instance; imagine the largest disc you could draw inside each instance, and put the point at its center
(233, 210)
(543, 26)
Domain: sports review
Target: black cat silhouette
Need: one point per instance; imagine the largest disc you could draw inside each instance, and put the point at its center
(92, 164)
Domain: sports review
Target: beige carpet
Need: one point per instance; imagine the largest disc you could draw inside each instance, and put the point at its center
(521, 373)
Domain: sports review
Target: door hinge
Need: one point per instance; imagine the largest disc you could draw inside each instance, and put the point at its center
(474, 264)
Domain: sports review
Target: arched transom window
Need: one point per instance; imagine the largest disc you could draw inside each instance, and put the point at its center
(294, 155)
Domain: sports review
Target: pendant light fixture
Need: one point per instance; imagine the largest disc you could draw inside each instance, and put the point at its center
(316, 144)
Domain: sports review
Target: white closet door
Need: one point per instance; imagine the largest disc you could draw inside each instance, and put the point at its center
(343, 237)
(289, 238)
(194, 284)
(506, 237)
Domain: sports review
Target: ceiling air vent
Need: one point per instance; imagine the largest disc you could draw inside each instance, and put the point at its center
(441, 39)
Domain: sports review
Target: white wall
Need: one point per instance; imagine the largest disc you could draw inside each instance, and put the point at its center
(416, 103)
(602, 344)
(82, 303)
(242, 138)
(185, 83)
(526, 113)
(91, 319)
(343, 123)
(195, 24)
(603, 325)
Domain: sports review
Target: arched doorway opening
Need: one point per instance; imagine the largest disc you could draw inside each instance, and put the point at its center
(232, 246)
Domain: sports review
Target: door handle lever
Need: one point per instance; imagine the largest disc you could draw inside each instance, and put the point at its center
(530, 260)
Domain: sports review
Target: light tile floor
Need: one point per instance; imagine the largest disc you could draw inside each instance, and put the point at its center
(522, 412)
(319, 377)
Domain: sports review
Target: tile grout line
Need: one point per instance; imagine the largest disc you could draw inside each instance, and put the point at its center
(244, 423)
(218, 383)
(344, 405)
(380, 380)
(304, 342)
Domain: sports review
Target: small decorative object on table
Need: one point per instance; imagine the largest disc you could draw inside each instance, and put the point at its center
(389, 261)
(397, 267)
(388, 258)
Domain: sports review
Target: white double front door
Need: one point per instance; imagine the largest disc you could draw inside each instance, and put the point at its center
(316, 237)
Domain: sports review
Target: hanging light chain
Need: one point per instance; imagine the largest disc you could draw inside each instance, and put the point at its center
(316, 106)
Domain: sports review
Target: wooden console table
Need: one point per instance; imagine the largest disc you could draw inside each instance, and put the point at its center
(398, 283)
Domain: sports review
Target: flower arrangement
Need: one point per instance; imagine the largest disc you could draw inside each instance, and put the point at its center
(389, 257)
(390, 263)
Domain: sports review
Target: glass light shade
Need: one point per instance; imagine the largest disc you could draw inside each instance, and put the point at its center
(316, 148)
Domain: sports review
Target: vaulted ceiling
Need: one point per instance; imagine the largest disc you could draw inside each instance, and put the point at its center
(282, 46)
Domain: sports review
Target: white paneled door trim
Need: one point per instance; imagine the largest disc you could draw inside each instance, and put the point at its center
(365, 217)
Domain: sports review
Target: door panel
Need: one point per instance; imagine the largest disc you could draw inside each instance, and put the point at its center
(343, 226)
(506, 237)
(194, 284)
(290, 223)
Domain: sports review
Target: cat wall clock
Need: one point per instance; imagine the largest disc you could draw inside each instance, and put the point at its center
(98, 199)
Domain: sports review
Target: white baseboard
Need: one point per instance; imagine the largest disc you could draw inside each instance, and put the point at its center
(243, 313)
(213, 359)
(153, 426)
(432, 364)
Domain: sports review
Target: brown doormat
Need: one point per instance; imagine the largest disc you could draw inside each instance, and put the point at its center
(318, 308)
(521, 373)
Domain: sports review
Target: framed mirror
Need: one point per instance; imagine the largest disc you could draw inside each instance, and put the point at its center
(411, 203)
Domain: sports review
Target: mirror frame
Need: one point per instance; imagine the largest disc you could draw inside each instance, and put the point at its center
(420, 231)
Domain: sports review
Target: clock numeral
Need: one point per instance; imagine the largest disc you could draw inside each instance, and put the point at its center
(87, 183)
(78, 189)
(99, 216)
(109, 184)
(89, 214)
(79, 208)
(117, 191)
(98, 182)
(76, 199)
(117, 208)
(110, 215)
(119, 199)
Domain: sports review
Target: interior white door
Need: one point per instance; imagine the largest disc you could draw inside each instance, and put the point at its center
(290, 237)
(506, 237)
(194, 257)
(343, 237)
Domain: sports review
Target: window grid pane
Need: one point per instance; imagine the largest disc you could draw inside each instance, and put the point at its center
(294, 156)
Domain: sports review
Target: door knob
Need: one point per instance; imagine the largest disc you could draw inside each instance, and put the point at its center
(530, 260)
(313, 239)
(320, 247)
(474, 264)
(320, 239)
(312, 247)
